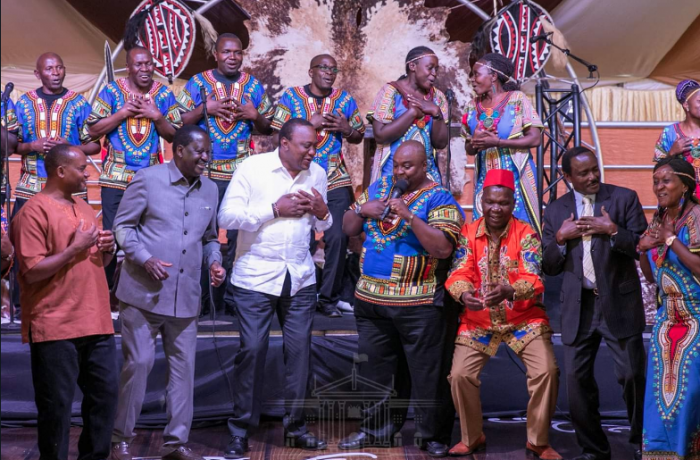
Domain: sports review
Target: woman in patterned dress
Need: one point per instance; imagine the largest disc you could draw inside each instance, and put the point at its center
(683, 138)
(500, 127)
(671, 257)
(411, 108)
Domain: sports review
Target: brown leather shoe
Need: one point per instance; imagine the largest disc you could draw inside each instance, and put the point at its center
(460, 449)
(120, 451)
(543, 452)
(182, 453)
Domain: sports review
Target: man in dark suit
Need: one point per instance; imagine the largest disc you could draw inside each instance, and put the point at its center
(591, 234)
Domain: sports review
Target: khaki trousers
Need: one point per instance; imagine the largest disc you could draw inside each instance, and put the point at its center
(542, 385)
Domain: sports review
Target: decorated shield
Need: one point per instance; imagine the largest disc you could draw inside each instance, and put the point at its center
(511, 33)
(169, 33)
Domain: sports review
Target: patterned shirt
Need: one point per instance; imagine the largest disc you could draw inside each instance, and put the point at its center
(515, 261)
(231, 142)
(387, 107)
(668, 137)
(12, 127)
(298, 102)
(396, 269)
(135, 143)
(40, 117)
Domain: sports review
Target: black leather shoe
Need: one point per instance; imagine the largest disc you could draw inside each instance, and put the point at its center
(308, 441)
(638, 454)
(356, 441)
(236, 448)
(436, 449)
(330, 311)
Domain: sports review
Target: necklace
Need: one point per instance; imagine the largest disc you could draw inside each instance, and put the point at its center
(490, 116)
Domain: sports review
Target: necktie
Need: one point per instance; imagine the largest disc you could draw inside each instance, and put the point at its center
(588, 270)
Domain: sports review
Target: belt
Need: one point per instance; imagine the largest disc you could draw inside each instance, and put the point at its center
(593, 291)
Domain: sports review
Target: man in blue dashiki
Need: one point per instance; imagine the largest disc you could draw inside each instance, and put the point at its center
(236, 103)
(399, 305)
(335, 116)
(9, 136)
(132, 113)
(47, 116)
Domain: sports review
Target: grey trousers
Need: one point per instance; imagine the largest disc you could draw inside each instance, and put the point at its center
(179, 335)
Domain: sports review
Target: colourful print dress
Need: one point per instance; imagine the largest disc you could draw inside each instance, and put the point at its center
(672, 399)
(509, 119)
(387, 107)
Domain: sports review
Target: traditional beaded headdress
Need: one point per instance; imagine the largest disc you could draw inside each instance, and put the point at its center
(421, 57)
(510, 79)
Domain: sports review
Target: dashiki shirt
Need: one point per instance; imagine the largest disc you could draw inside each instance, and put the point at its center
(387, 107)
(13, 128)
(514, 261)
(135, 143)
(513, 115)
(668, 137)
(396, 270)
(231, 142)
(37, 118)
(299, 102)
(672, 399)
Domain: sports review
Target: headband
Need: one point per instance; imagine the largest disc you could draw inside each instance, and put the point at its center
(687, 98)
(498, 72)
(684, 174)
(420, 57)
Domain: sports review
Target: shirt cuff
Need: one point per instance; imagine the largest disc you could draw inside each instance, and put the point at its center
(214, 256)
(266, 214)
(524, 290)
(141, 257)
(458, 288)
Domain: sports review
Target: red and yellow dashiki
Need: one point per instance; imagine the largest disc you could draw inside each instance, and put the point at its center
(514, 261)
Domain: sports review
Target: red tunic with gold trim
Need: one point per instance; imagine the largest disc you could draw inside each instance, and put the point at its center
(515, 260)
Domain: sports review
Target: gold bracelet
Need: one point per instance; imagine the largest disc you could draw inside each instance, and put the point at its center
(410, 219)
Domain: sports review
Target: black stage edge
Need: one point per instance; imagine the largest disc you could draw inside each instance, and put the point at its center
(503, 381)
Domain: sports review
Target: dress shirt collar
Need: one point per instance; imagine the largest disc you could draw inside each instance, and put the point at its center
(276, 165)
(578, 196)
(176, 175)
(483, 229)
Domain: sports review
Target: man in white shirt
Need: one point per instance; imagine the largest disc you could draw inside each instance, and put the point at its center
(274, 200)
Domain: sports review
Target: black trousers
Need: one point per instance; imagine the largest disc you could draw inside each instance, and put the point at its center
(630, 364)
(225, 291)
(111, 198)
(336, 245)
(402, 346)
(255, 311)
(446, 407)
(57, 366)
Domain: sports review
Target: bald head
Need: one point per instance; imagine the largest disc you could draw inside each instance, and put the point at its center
(410, 150)
(135, 51)
(61, 155)
(318, 60)
(46, 57)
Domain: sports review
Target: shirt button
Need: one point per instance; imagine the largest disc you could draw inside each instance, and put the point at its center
(181, 270)
(185, 232)
(184, 251)
(187, 195)
(187, 214)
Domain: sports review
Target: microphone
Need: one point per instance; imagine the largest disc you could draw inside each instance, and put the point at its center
(539, 37)
(8, 89)
(450, 95)
(203, 94)
(399, 188)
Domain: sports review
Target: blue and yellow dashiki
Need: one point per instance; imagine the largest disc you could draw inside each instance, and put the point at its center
(231, 142)
(513, 115)
(299, 102)
(39, 116)
(668, 137)
(672, 398)
(396, 269)
(388, 106)
(135, 143)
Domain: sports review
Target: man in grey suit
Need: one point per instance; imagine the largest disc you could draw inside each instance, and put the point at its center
(166, 224)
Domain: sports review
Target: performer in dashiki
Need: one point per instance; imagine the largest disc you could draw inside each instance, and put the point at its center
(8, 133)
(236, 102)
(335, 116)
(683, 138)
(47, 116)
(132, 113)
(410, 108)
(671, 258)
(500, 127)
(400, 294)
(496, 276)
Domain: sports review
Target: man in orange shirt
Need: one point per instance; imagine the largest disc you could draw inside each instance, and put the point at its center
(496, 276)
(66, 317)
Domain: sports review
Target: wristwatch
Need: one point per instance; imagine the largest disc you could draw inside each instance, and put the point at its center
(670, 240)
(358, 210)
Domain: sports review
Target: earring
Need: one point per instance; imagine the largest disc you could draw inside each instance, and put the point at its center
(493, 89)
(682, 202)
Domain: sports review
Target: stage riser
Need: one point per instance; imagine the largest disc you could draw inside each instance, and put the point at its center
(503, 381)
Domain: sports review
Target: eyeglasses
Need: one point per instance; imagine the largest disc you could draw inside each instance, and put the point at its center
(325, 68)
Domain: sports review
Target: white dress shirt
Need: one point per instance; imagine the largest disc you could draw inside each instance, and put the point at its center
(269, 247)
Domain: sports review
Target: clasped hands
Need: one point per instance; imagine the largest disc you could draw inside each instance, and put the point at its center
(495, 294)
(397, 208)
(655, 237)
(586, 226)
(300, 202)
(157, 269)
